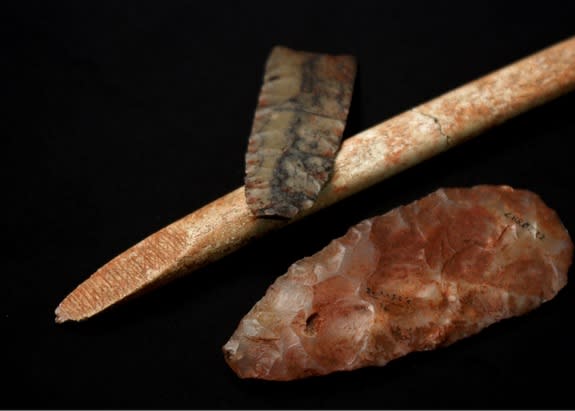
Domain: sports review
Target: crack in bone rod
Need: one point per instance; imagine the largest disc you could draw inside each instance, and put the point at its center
(369, 157)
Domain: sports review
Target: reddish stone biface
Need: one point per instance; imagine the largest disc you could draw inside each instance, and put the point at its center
(421, 276)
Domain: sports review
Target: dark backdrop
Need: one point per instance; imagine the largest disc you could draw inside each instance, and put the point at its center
(123, 117)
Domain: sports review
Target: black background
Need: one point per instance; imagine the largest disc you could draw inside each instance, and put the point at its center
(123, 117)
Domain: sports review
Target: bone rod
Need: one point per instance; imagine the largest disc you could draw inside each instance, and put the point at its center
(365, 159)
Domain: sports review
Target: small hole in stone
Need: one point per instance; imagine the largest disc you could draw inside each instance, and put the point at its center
(311, 324)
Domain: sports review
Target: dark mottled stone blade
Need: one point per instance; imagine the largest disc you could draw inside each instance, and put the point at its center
(297, 129)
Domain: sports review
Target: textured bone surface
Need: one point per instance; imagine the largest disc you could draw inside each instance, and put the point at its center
(226, 224)
(297, 129)
(421, 276)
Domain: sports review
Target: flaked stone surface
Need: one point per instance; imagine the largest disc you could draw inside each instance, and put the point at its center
(297, 129)
(418, 277)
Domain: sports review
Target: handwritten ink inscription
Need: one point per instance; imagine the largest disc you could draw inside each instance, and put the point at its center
(526, 225)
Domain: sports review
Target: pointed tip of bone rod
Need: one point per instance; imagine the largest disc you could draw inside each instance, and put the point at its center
(60, 317)
(63, 315)
(88, 300)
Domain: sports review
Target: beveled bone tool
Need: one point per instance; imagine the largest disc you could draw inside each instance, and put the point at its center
(369, 157)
